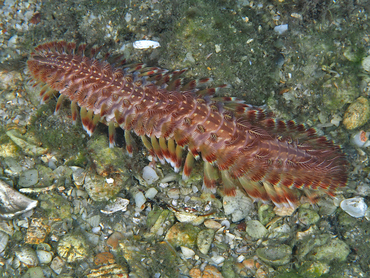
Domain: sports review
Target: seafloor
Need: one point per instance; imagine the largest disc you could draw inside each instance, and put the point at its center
(97, 214)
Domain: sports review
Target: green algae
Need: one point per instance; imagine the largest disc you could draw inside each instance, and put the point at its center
(57, 133)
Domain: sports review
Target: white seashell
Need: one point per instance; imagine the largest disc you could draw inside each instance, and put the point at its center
(356, 207)
(144, 44)
(12, 202)
(4, 238)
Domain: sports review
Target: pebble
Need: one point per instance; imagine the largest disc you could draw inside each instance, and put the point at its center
(212, 224)
(366, 63)
(275, 256)
(44, 257)
(28, 178)
(357, 114)
(308, 216)
(34, 272)
(334, 250)
(182, 234)
(151, 192)
(356, 207)
(255, 229)
(187, 252)
(57, 265)
(149, 175)
(139, 200)
(238, 206)
(205, 240)
(280, 29)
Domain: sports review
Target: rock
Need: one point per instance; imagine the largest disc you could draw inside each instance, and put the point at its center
(308, 216)
(255, 229)
(275, 256)
(238, 206)
(265, 213)
(34, 272)
(366, 63)
(28, 178)
(357, 114)
(313, 269)
(182, 234)
(204, 240)
(100, 190)
(335, 249)
(44, 257)
(27, 256)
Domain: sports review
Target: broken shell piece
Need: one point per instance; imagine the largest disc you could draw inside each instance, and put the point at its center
(356, 207)
(119, 205)
(12, 202)
(144, 44)
(361, 139)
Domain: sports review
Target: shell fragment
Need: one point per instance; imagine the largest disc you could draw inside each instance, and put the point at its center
(144, 44)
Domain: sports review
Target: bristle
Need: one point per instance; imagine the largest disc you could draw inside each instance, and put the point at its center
(228, 182)
(148, 145)
(254, 189)
(210, 175)
(128, 140)
(48, 93)
(178, 158)
(59, 103)
(172, 152)
(112, 134)
(164, 148)
(74, 110)
(157, 149)
(188, 166)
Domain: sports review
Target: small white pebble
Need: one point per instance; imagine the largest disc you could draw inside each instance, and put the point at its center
(149, 175)
(139, 200)
(217, 48)
(218, 259)
(187, 252)
(281, 28)
(240, 259)
(151, 192)
(96, 230)
(109, 180)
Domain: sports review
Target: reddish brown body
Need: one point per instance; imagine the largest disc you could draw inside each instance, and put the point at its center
(268, 158)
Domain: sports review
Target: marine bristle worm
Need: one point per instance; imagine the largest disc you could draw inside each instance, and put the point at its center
(240, 145)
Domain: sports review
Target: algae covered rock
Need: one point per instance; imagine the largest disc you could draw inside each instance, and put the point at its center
(357, 114)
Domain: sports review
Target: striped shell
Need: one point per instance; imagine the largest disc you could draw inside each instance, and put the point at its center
(241, 146)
